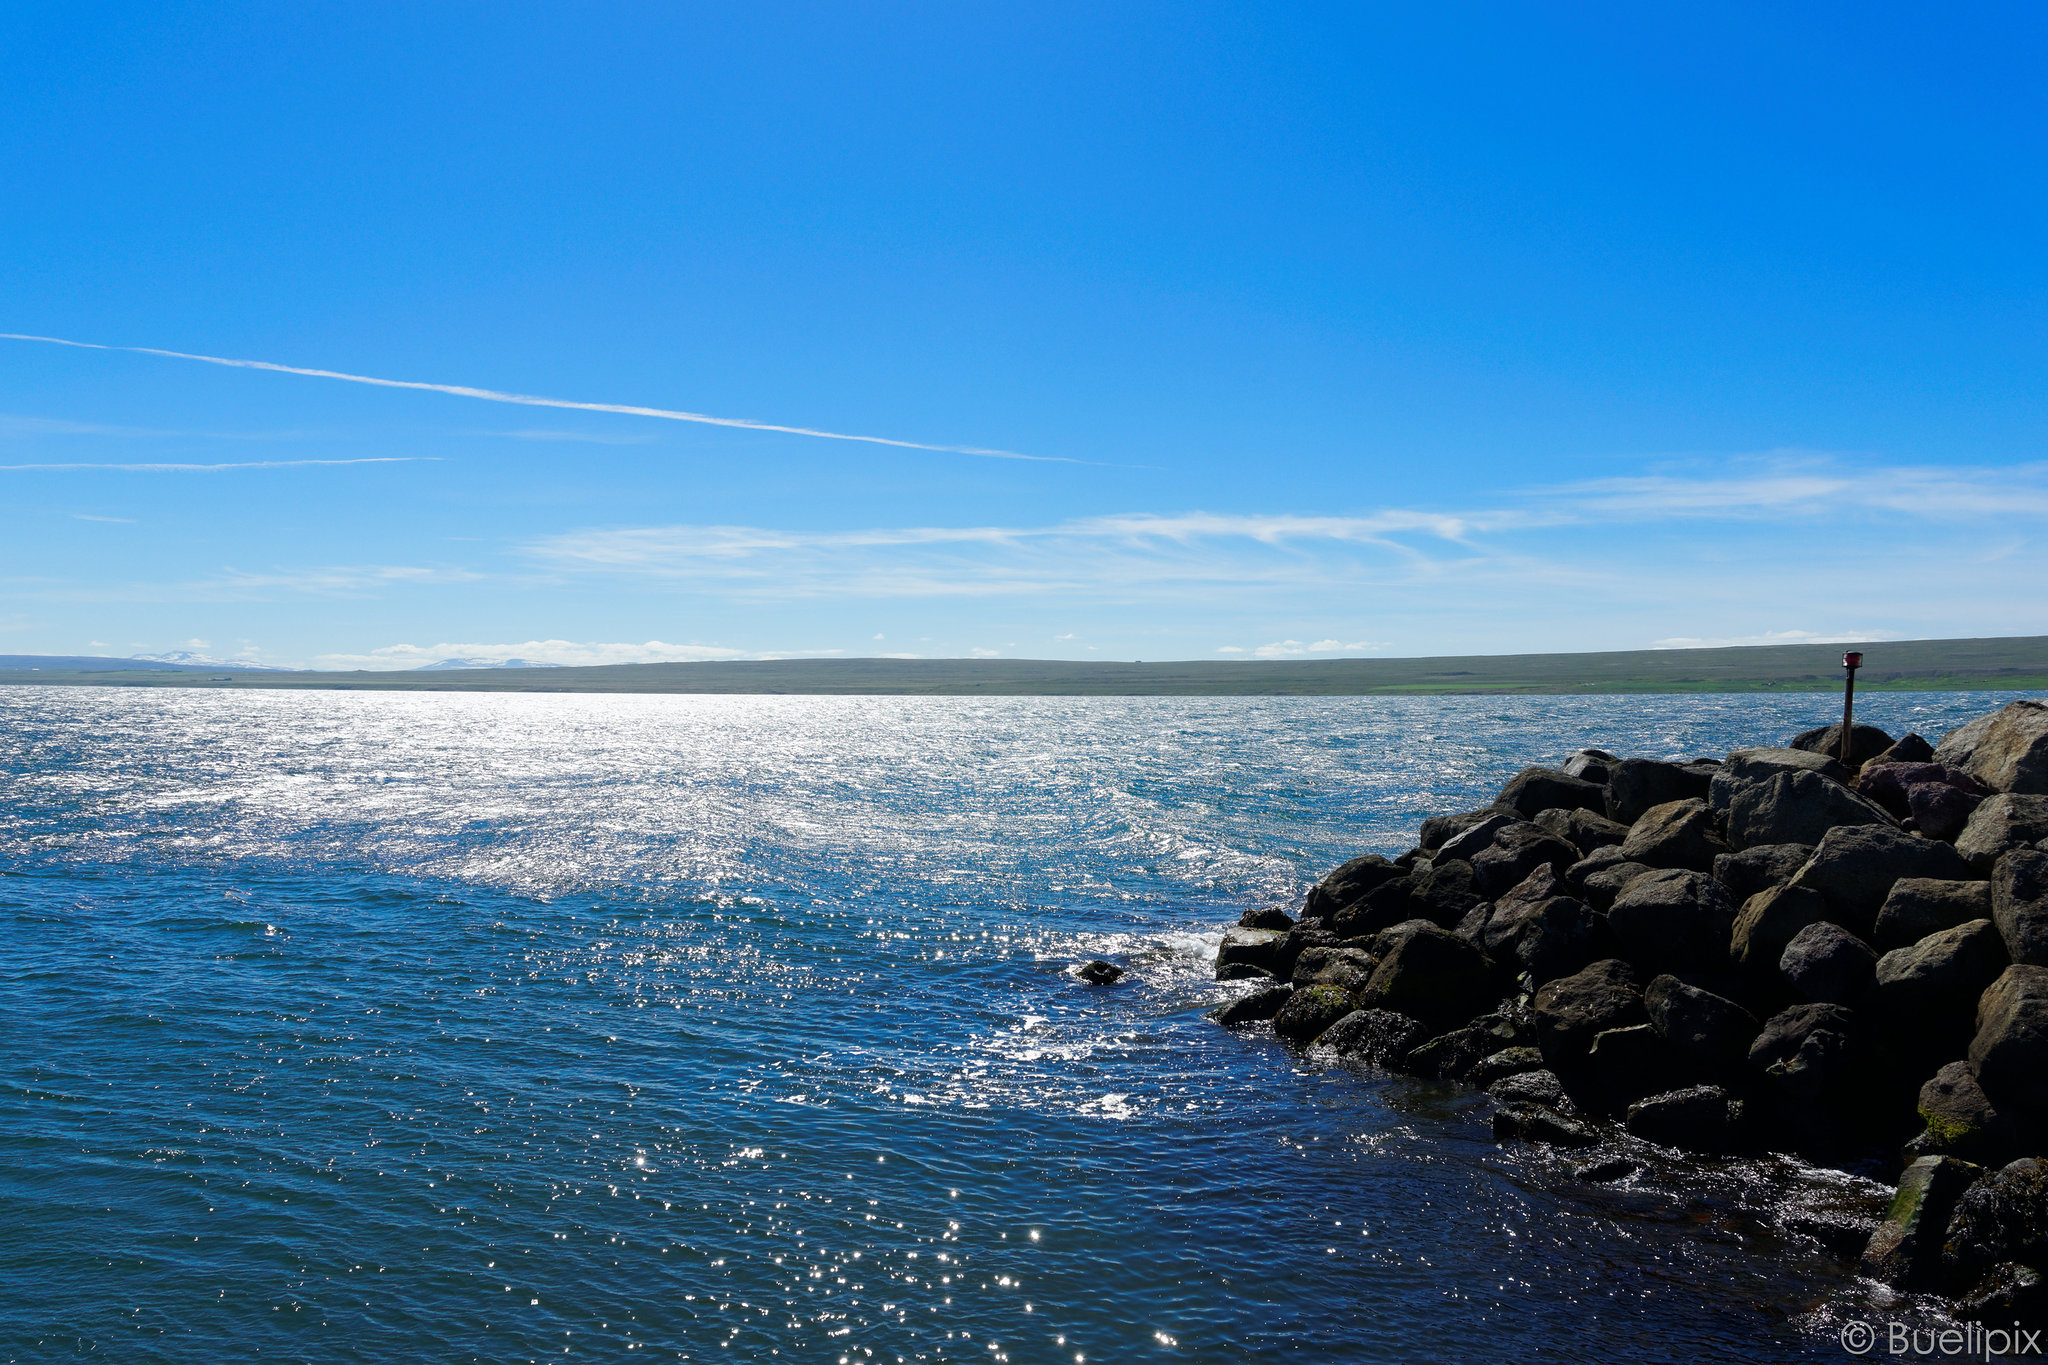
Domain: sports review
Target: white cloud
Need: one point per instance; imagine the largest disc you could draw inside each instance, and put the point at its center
(1353, 647)
(1230, 649)
(568, 653)
(1774, 637)
(979, 653)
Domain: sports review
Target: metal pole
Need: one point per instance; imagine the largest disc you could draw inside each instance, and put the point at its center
(1851, 662)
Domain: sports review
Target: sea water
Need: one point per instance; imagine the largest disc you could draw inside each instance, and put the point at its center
(390, 1027)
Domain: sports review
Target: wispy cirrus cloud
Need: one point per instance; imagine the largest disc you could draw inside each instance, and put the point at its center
(1791, 485)
(167, 467)
(536, 401)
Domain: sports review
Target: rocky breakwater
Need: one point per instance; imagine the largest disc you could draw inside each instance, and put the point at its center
(1770, 951)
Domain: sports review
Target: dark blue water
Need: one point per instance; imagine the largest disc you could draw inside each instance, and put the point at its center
(356, 1027)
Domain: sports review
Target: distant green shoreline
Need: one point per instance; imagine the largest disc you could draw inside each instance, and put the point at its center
(2017, 663)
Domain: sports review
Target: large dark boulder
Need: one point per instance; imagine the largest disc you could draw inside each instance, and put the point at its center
(1552, 938)
(1826, 963)
(2010, 1051)
(1584, 830)
(1255, 1008)
(1962, 1121)
(1998, 826)
(2002, 1217)
(1533, 1123)
(1476, 836)
(1906, 1250)
(1918, 906)
(1673, 921)
(1625, 1064)
(1437, 829)
(1957, 745)
(2011, 754)
(1529, 1087)
(1592, 764)
(1442, 893)
(2009, 1298)
(1266, 949)
(1796, 808)
(1940, 810)
(1534, 790)
(2019, 904)
(1516, 851)
(1509, 1061)
(1428, 973)
(1811, 1067)
(1711, 1029)
(1379, 1038)
(1570, 1011)
(1349, 968)
(1347, 884)
(1854, 866)
(1310, 1010)
(1907, 749)
(1636, 784)
(1768, 921)
(1599, 886)
(1675, 834)
(1759, 765)
(1270, 917)
(1887, 783)
(1865, 742)
(1756, 869)
(1924, 997)
(1696, 1118)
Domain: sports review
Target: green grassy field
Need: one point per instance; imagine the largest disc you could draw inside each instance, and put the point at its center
(2011, 663)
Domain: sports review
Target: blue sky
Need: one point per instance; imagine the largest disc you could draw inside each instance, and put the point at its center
(1330, 330)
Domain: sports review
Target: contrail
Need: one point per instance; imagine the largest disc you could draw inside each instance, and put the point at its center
(532, 401)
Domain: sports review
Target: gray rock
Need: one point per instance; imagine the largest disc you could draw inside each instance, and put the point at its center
(1809, 1061)
(1625, 1064)
(1476, 836)
(1958, 745)
(1539, 1087)
(1100, 973)
(2010, 1051)
(1453, 1056)
(1905, 1251)
(1534, 790)
(1826, 963)
(1908, 749)
(1796, 808)
(1674, 921)
(1509, 1061)
(1533, 1123)
(2002, 1217)
(1769, 921)
(1695, 1118)
(1603, 886)
(1439, 828)
(1636, 784)
(1999, 825)
(1760, 765)
(1757, 869)
(2010, 1295)
(1710, 1028)
(1254, 1008)
(1443, 892)
(1261, 948)
(1865, 742)
(1379, 1038)
(1549, 939)
(1570, 1011)
(1940, 810)
(1925, 996)
(1516, 851)
(1886, 783)
(1583, 829)
(1962, 1121)
(1854, 866)
(1243, 971)
(1918, 906)
(2012, 753)
(1592, 764)
(1271, 918)
(1342, 887)
(2019, 904)
(1349, 968)
(1675, 834)
(1429, 974)
(1309, 1011)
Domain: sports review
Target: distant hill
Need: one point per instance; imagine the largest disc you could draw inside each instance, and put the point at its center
(179, 661)
(2017, 663)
